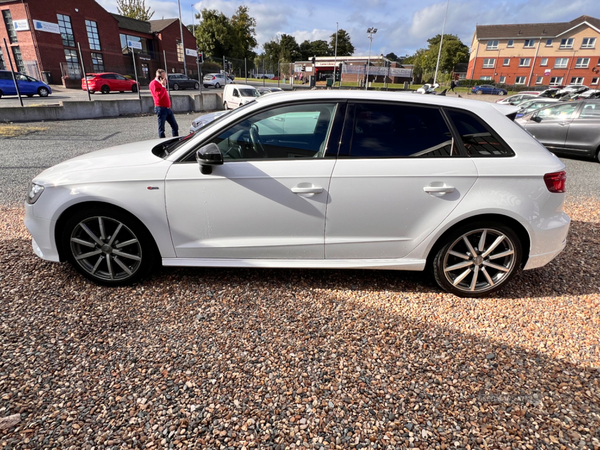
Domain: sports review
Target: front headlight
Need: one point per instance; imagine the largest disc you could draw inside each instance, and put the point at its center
(34, 193)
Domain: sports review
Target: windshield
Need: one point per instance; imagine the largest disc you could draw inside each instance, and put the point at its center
(249, 93)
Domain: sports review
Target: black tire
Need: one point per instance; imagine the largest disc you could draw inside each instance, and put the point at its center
(217, 85)
(29, 95)
(196, 86)
(225, 107)
(105, 89)
(43, 92)
(1, 94)
(597, 154)
(206, 85)
(468, 271)
(175, 87)
(92, 92)
(479, 92)
(108, 246)
(134, 88)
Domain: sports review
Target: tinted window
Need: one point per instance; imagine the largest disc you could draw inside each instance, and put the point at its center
(590, 111)
(477, 137)
(395, 131)
(559, 112)
(5, 76)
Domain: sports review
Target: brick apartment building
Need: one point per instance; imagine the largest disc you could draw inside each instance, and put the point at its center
(43, 37)
(537, 53)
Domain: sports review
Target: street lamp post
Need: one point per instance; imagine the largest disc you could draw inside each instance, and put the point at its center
(437, 65)
(181, 33)
(370, 32)
(335, 55)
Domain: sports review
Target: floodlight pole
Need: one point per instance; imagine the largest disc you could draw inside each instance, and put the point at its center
(182, 43)
(337, 28)
(370, 33)
(441, 42)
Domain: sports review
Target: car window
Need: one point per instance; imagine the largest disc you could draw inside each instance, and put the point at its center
(107, 76)
(235, 93)
(120, 77)
(249, 93)
(5, 76)
(397, 131)
(590, 111)
(477, 137)
(559, 112)
(21, 77)
(298, 131)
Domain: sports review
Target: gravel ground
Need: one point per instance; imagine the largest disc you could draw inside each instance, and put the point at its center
(228, 358)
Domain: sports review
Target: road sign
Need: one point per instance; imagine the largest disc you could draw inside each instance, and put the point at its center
(48, 27)
(191, 52)
(134, 44)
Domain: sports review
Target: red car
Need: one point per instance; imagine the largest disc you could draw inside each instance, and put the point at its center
(108, 81)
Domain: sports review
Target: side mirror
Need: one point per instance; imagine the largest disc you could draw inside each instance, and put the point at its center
(536, 118)
(209, 156)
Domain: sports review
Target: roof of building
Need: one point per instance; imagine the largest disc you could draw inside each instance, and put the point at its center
(533, 30)
(127, 23)
(159, 25)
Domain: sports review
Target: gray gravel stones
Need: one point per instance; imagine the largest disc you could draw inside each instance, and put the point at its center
(231, 358)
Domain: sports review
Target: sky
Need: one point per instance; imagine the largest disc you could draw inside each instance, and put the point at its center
(402, 26)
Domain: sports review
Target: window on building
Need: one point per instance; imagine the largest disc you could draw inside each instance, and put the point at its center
(97, 62)
(594, 81)
(179, 51)
(488, 63)
(486, 78)
(561, 63)
(549, 42)
(529, 43)
(577, 80)
(520, 80)
(492, 45)
(539, 80)
(502, 79)
(92, 33)
(524, 62)
(588, 43)
(73, 69)
(582, 63)
(556, 81)
(511, 43)
(506, 62)
(12, 34)
(66, 30)
(18, 59)
(2, 64)
(566, 43)
(544, 62)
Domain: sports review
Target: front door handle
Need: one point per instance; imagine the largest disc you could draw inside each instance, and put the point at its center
(439, 189)
(307, 190)
(562, 124)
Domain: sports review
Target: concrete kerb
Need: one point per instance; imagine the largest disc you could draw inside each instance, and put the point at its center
(72, 110)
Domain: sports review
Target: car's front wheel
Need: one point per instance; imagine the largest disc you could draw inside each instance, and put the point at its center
(479, 92)
(134, 88)
(108, 246)
(43, 92)
(217, 85)
(196, 86)
(175, 87)
(477, 259)
(105, 89)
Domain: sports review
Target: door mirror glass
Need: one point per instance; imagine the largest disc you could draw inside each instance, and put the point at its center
(209, 156)
(536, 118)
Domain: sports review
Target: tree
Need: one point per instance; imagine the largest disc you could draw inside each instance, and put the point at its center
(344, 45)
(392, 56)
(135, 9)
(283, 48)
(244, 32)
(320, 48)
(425, 60)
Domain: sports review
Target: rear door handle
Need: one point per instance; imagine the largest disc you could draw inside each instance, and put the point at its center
(307, 190)
(562, 124)
(438, 189)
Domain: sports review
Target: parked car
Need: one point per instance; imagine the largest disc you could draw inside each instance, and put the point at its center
(589, 94)
(203, 120)
(216, 80)
(316, 179)
(236, 95)
(108, 81)
(488, 89)
(263, 90)
(179, 81)
(571, 128)
(534, 104)
(516, 99)
(28, 86)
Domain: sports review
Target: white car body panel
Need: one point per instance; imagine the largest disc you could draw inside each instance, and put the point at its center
(245, 214)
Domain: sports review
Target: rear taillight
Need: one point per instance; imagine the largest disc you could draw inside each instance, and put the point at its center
(556, 182)
(214, 78)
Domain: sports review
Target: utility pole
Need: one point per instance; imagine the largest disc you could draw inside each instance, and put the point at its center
(181, 33)
(337, 28)
(441, 42)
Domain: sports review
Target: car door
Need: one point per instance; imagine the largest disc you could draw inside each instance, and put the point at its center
(123, 83)
(398, 176)
(583, 134)
(235, 98)
(257, 204)
(550, 125)
(26, 84)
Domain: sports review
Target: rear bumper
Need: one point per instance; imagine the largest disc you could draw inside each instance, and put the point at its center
(548, 242)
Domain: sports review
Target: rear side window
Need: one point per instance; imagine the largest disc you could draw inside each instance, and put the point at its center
(399, 131)
(477, 137)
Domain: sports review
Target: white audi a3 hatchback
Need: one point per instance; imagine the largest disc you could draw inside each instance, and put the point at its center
(330, 179)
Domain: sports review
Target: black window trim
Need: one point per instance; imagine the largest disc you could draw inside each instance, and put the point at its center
(190, 157)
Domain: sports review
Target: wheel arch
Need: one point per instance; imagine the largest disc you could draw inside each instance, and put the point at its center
(67, 213)
(514, 224)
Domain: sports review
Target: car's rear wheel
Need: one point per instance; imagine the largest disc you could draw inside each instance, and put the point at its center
(217, 85)
(477, 259)
(225, 107)
(1, 94)
(29, 95)
(175, 87)
(134, 88)
(108, 246)
(479, 92)
(105, 89)
(196, 85)
(598, 155)
(92, 92)
(43, 92)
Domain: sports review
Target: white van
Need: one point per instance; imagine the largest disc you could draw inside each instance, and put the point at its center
(235, 95)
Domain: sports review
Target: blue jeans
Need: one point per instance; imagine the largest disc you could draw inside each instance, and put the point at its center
(163, 114)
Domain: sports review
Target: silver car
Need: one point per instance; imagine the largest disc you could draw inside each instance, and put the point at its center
(572, 128)
(216, 80)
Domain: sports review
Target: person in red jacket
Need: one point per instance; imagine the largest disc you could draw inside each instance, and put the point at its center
(162, 104)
